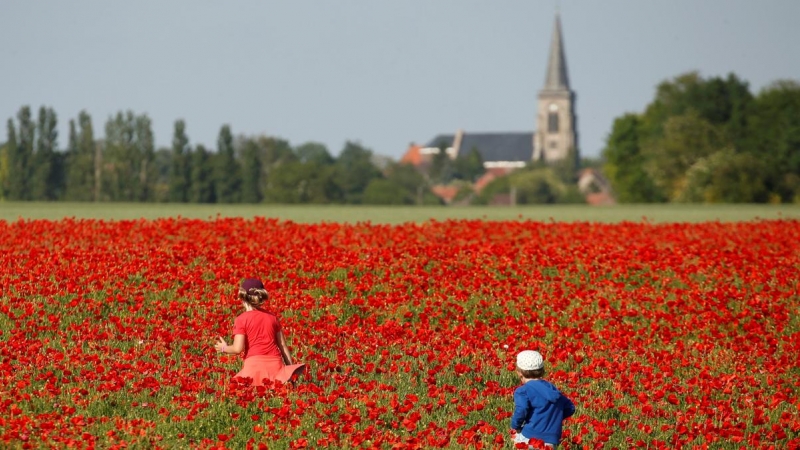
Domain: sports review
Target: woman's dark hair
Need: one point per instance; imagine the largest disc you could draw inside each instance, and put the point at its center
(254, 296)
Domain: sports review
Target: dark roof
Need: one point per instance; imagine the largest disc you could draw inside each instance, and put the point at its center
(441, 139)
(492, 146)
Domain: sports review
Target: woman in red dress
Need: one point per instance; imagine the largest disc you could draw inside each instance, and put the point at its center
(257, 333)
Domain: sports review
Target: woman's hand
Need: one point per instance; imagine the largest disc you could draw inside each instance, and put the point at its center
(220, 345)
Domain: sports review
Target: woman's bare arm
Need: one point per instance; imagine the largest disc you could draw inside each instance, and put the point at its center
(234, 349)
(287, 357)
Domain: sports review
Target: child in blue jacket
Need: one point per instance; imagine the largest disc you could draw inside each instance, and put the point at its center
(539, 407)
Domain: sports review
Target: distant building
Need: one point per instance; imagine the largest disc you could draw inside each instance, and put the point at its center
(503, 152)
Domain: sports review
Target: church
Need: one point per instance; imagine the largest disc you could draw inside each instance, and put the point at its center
(503, 152)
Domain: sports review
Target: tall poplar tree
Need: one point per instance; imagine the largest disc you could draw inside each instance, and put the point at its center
(22, 161)
(45, 180)
(180, 171)
(12, 179)
(201, 186)
(144, 162)
(251, 173)
(227, 174)
(81, 165)
(119, 181)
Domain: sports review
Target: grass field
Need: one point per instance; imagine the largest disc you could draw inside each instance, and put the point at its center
(13, 211)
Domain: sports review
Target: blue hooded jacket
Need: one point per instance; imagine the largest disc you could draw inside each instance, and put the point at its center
(539, 410)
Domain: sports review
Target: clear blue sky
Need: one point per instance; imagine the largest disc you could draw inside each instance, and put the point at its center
(378, 72)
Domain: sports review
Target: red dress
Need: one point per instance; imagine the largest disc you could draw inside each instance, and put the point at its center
(262, 356)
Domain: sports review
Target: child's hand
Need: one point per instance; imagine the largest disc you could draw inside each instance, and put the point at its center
(220, 345)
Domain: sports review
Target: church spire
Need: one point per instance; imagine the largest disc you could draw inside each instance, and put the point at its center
(557, 79)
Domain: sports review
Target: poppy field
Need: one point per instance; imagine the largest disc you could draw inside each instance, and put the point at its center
(664, 335)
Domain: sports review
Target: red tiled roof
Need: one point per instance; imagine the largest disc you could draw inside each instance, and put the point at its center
(412, 156)
(446, 193)
(599, 198)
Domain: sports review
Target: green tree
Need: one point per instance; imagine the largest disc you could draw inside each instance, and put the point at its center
(160, 188)
(180, 169)
(21, 156)
(287, 185)
(119, 166)
(128, 168)
(71, 162)
(414, 183)
(146, 169)
(532, 185)
(4, 171)
(12, 178)
(567, 168)
(81, 167)
(386, 192)
(201, 187)
(441, 170)
(312, 152)
(301, 182)
(721, 102)
(468, 167)
(726, 177)
(46, 180)
(90, 157)
(251, 172)
(774, 130)
(687, 139)
(354, 172)
(625, 161)
(227, 173)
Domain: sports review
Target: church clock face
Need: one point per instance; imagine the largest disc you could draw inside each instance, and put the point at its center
(553, 107)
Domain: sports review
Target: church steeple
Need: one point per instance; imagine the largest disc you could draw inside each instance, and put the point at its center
(557, 78)
(557, 135)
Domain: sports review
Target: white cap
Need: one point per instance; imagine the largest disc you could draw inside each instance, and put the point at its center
(530, 360)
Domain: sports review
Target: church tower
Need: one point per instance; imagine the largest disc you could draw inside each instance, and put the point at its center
(556, 134)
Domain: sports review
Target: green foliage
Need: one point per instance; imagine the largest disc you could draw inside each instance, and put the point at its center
(180, 173)
(625, 163)
(442, 169)
(708, 140)
(128, 169)
(686, 139)
(11, 180)
(469, 167)
(354, 172)
(312, 152)
(774, 130)
(413, 182)
(251, 172)
(299, 182)
(4, 171)
(21, 155)
(46, 180)
(720, 101)
(201, 183)
(725, 177)
(227, 173)
(83, 161)
(530, 186)
(387, 192)
(567, 168)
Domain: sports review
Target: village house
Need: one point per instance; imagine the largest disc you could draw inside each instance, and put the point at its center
(504, 152)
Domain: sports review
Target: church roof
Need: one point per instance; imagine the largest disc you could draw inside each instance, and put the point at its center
(557, 78)
(515, 146)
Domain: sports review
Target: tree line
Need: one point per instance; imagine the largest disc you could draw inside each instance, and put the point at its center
(125, 166)
(699, 140)
(708, 140)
